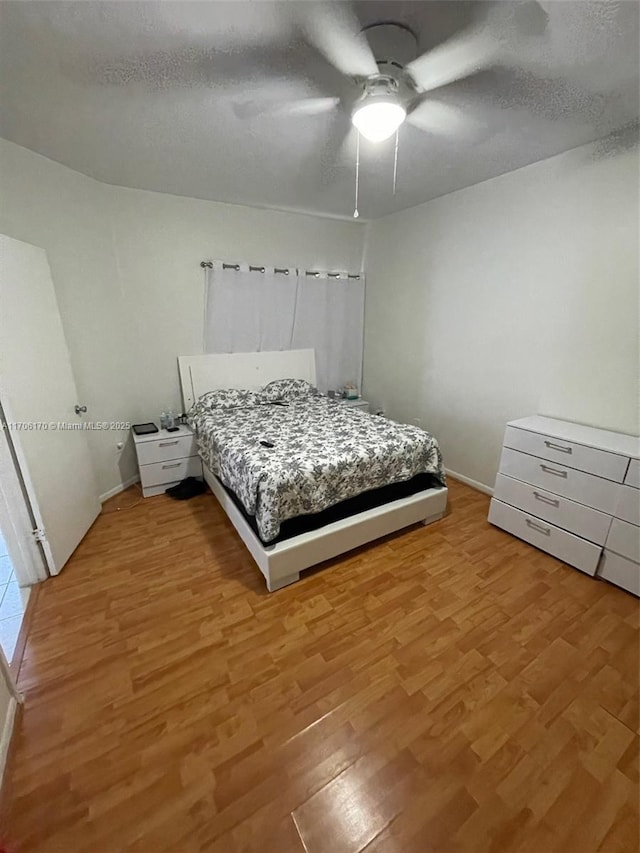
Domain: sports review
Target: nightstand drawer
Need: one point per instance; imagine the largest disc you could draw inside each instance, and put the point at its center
(561, 480)
(565, 546)
(170, 471)
(583, 458)
(361, 405)
(167, 448)
(572, 516)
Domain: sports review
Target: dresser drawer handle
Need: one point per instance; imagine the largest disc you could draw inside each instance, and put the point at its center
(173, 465)
(545, 500)
(559, 447)
(167, 443)
(548, 470)
(539, 527)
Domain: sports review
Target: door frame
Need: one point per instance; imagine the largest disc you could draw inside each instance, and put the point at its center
(32, 559)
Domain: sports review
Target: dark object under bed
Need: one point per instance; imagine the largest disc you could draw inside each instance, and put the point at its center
(352, 506)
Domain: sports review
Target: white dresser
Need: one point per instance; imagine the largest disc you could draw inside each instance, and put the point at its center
(573, 491)
(166, 458)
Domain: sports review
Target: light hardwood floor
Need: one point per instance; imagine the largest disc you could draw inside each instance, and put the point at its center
(447, 689)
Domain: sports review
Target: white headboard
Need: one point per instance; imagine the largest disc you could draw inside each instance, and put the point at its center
(251, 370)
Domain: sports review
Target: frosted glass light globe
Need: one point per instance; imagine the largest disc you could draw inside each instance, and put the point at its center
(378, 118)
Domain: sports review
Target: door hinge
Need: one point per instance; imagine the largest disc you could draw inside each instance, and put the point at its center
(39, 534)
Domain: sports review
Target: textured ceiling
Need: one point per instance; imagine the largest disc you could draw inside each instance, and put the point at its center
(146, 95)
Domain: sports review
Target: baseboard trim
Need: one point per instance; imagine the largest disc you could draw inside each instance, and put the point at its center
(7, 731)
(119, 488)
(480, 487)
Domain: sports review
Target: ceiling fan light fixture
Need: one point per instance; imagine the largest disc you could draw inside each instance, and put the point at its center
(378, 117)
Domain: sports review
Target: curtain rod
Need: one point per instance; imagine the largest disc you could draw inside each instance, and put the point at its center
(282, 270)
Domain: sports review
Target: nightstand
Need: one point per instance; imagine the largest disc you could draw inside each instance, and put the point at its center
(359, 403)
(166, 458)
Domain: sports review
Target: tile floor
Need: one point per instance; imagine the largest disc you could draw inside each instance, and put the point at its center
(13, 601)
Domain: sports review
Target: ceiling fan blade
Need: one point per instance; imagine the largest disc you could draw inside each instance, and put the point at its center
(302, 107)
(436, 117)
(461, 56)
(474, 49)
(334, 30)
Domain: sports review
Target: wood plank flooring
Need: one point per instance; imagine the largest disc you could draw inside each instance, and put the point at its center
(447, 689)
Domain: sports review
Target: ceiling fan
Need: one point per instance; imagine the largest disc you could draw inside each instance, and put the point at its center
(392, 83)
(386, 82)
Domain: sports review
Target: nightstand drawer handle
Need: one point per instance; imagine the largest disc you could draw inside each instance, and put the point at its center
(559, 447)
(545, 500)
(539, 527)
(173, 465)
(167, 443)
(548, 470)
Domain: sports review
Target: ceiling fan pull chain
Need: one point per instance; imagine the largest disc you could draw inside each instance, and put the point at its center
(356, 213)
(395, 164)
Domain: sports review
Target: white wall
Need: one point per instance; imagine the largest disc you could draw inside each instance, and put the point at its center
(160, 241)
(125, 264)
(50, 206)
(512, 297)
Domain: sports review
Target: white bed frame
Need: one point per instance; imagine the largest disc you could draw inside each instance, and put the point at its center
(282, 563)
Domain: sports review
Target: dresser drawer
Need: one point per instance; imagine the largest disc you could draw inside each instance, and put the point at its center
(575, 517)
(584, 488)
(624, 539)
(565, 546)
(579, 456)
(628, 507)
(633, 474)
(169, 472)
(620, 571)
(177, 447)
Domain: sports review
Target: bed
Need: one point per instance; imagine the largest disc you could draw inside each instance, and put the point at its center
(303, 478)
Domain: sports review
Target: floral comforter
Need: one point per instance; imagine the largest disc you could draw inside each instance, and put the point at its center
(283, 460)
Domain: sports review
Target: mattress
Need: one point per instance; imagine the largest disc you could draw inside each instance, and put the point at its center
(282, 461)
(344, 509)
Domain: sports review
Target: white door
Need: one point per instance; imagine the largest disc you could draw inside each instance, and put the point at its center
(38, 396)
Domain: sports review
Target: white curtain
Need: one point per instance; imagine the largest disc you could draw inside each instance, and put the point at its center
(249, 310)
